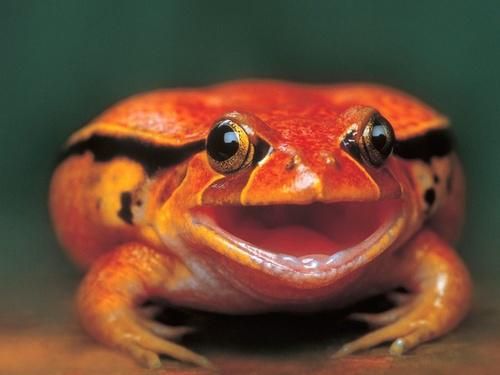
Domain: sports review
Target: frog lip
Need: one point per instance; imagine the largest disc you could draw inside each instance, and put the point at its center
(354, 233)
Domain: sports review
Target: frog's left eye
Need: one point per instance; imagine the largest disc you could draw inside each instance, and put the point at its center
(377, 140)
(229, 148)
(373, 143)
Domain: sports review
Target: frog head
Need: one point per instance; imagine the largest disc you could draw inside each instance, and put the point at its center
(296, 186)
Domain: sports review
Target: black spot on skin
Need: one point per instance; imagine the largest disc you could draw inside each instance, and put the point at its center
(436, 179)
(125, 212)
(98, 204)
(437, 142)
(430, 196)
(138, 202)
(292, 163)
(152, 157)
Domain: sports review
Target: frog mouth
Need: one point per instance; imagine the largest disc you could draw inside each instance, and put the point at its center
(319, 239)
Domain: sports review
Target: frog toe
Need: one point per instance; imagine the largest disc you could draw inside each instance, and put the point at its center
(381, 319)
(146, 358)
(411, 340)
(149, 311)
(399, 298)
(165, 331)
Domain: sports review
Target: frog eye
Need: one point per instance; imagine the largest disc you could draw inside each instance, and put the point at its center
(377, 140)
(229, 148)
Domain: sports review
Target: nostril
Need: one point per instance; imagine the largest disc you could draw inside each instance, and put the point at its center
(327, 158)
(293, 163)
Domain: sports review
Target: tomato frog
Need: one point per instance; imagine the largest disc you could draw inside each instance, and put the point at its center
(258, 196)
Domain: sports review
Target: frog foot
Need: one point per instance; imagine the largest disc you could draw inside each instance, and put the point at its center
(441, 290)
(108, 308)
(406, 325)
(144, 341)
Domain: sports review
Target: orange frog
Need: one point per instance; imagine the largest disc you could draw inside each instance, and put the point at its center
(261, 196)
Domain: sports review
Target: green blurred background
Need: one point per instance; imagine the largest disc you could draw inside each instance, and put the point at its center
(63, 62)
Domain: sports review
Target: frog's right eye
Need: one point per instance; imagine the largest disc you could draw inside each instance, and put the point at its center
(229, 148)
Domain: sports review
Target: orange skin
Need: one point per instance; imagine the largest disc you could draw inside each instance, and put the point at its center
(204, 239)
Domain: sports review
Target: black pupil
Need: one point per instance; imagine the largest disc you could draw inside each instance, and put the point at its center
(382, 136)
(222, 142)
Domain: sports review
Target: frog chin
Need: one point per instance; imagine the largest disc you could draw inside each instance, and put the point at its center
(319, 240)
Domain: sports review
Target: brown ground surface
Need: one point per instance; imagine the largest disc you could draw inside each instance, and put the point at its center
(38, 335)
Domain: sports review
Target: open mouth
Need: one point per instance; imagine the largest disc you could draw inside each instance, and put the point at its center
(316, 237)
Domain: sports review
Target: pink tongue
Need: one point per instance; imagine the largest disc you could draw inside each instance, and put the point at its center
(293, 240)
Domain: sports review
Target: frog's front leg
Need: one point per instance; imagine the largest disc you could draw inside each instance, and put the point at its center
(440, 286)
(113, 289)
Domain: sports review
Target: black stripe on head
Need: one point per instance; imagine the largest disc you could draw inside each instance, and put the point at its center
(152, 157)
(437, 142)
